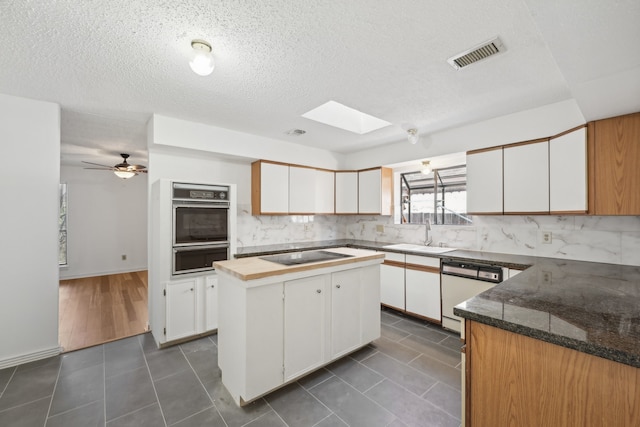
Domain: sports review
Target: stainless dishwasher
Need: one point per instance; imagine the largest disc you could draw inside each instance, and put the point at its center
(461, 281)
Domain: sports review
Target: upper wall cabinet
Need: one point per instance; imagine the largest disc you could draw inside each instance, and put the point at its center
(568, 172)
(526, 177)
(615, 165)
(346, 192)
(269, 188)
(311, 191)
(484, 181)
(375, 191)
(281, 189)
(325, 191)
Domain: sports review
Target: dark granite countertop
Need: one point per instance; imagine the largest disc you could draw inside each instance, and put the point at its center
(590, 307)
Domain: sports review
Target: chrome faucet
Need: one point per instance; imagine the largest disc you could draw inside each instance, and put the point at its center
(427, 237)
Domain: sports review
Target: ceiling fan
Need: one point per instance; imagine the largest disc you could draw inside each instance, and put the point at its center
(122, 170)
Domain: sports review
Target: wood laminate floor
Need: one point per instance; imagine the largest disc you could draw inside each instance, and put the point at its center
(96, 310)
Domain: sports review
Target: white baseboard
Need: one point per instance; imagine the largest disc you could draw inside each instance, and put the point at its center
(101, 273)
(30, 357)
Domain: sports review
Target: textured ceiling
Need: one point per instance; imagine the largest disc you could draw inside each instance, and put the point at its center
(110, 64)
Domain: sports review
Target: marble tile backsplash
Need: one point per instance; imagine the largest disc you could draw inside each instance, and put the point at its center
(614, 239)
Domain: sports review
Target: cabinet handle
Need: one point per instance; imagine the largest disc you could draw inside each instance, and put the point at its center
(319, 291)
(213, 286)
(191, 289)
(338, 286)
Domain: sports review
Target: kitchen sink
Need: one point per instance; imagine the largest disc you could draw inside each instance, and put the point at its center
(419, 248)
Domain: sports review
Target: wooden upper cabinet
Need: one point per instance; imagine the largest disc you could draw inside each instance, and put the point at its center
(526, 177)
(484, 181)
(568, 172)
(615, 155)
(375, 191)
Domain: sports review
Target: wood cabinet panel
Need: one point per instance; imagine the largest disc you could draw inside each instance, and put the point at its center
(616, 159)
(517, 380)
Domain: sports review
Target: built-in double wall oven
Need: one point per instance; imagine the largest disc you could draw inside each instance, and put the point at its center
(200, 226)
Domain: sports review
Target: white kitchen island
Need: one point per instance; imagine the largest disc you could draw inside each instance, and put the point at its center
(278, 323)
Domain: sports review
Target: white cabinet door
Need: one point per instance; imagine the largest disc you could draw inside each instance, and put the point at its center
(181, 309)
(526, 178)
(306, 324)
(370, 303)
(392, 281)
(422, 284)
(568, 172)
(211, 303)
(302, 190)
(325, 192)
(370, 191)
(346, 192)
(274, 188)
(345, 312)
(484, 181)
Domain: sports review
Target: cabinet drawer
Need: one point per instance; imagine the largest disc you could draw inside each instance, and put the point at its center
(416, 261)
(393, 256)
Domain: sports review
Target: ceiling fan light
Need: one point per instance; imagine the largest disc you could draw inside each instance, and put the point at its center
(124, 174)
(201, 60)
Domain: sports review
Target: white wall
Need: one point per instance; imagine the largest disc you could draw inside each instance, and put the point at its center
(107, 218)
(30, 172)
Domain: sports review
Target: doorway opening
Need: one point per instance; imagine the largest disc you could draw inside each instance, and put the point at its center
(95, 310)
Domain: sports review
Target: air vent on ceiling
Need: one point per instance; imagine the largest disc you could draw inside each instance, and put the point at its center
(478, 53)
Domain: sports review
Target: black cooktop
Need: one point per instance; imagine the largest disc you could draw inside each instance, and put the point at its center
(295, 258)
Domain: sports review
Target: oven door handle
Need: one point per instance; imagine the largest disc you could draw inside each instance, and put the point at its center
(204, 204)
(198, 248)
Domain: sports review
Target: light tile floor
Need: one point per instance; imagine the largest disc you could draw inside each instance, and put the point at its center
(409, 377)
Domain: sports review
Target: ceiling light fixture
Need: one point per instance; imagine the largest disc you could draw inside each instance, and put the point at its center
(412, 135)
(426, 167)
(201, 60)
(124, 174)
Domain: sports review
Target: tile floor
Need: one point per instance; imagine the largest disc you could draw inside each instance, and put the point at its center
(409, 377)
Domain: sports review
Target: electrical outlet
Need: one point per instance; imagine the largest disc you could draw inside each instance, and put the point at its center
(124, 257)
(546, 277)
(380, 228)
(307, 227)
(546, 237)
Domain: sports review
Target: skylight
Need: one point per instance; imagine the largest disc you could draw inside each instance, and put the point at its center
(334, 114)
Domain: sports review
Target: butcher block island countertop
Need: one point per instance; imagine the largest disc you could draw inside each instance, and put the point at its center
(258, 268)
(278, 322)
